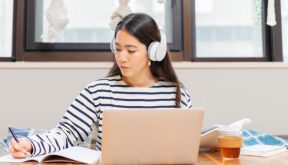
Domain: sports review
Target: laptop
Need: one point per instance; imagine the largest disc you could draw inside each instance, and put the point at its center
(151, 136)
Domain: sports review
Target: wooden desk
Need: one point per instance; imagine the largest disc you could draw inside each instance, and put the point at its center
(214, 158)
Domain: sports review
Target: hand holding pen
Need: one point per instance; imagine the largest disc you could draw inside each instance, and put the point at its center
(19, 148)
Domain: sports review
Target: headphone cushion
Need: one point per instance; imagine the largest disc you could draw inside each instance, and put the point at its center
(162, 48)
(152, 50)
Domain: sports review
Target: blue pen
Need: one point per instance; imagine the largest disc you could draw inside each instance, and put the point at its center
(17, 140)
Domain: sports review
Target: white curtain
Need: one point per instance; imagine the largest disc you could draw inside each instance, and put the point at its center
(161, 1)
(271, 18)
(119, 13)
(56, 15)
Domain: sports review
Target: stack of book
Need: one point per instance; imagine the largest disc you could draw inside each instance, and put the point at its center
(263, 150)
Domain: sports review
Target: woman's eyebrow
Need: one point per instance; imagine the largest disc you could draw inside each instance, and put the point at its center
(127, 46)
(130, 46)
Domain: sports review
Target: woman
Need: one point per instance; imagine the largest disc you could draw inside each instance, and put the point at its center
(141, 77)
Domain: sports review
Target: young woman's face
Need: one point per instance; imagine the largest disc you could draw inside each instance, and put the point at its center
(131, 55)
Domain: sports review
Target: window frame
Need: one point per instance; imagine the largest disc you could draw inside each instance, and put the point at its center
(272, 44)
(276, 45)
(272, 40)
(68, 56)
(13, 57)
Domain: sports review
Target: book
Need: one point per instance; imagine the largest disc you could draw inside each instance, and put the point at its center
(208, 138)
(262, 150)
(69, 155)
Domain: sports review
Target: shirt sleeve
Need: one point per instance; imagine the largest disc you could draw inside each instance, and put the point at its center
(185, 98)
(74, 127)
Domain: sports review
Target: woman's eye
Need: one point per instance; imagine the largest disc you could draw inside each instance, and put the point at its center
(131, 51)
(118, 50)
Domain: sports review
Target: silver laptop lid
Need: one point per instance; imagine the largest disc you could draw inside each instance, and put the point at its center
(151, 136)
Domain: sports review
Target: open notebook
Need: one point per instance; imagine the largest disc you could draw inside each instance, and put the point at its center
(69, 155)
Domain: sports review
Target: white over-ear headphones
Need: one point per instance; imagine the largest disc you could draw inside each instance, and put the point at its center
(156, 50)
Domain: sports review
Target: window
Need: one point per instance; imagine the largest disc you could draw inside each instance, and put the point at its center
(6, 30)
(197, 30)
(284, 14)
(56, 25)
(233, 32)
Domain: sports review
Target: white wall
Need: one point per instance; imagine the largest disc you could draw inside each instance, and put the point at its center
(38, 96)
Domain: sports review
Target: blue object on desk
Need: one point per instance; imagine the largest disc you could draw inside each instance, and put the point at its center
(252, 137)
(19, 132)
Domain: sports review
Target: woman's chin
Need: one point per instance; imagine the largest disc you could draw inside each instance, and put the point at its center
(126, 74)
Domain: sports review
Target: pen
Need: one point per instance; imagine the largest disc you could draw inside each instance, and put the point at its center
(16, 139)
(12, 133)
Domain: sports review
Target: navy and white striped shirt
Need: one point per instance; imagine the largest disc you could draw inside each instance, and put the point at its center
(107, 93)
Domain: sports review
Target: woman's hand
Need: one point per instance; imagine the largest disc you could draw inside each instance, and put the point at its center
(22, 149)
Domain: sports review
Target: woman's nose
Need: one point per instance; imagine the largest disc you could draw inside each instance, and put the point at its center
(122, 56)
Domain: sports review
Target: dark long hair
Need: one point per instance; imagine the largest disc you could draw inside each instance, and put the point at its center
(145, 29)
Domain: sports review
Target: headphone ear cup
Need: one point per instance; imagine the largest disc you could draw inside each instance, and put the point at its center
(157, 50)
(112, 46)
(162, 48)
(152, 50)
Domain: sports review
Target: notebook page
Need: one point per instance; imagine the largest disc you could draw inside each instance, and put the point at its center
(79, 154)
(9, 158)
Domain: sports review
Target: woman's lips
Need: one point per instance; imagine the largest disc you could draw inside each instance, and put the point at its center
(123, 68)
